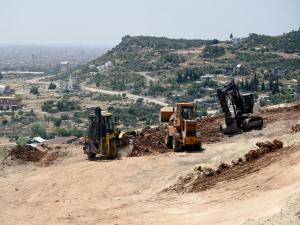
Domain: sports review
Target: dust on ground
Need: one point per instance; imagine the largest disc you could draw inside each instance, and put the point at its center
(74, 190)
(203, 178)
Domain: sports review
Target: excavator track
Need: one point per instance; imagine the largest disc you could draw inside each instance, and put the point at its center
(253, 122)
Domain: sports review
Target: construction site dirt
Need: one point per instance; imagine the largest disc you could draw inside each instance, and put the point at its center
(203, 178)
(151, 140)
(250, 179)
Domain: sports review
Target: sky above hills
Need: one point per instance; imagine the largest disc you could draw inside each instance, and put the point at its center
(104, 22)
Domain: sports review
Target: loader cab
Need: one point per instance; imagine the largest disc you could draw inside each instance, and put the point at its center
(108, 121)
(186, 110)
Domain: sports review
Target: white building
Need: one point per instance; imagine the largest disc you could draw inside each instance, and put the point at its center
(70, 85)
(105, 66)
(64, 67)
(236, 40)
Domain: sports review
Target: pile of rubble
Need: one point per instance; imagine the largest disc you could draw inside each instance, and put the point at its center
(26, 153)
(203, 178)
(44, 155)
(149, 141)
(209, 128)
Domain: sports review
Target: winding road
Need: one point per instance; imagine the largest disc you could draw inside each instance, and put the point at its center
(128, 95)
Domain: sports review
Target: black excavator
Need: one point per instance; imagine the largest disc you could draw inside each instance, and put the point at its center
(238, 110)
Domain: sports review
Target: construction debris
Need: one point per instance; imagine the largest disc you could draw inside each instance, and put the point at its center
(203, 178)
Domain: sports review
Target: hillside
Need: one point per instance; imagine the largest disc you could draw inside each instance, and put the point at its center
(172, 68)
(288, 43)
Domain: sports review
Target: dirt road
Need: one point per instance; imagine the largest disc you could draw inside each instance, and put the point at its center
(128, 191)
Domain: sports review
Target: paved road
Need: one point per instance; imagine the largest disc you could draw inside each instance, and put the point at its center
(97, 90)
(128, 95)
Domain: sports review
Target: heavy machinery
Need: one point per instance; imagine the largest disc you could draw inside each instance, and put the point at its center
(102, 137)
(182, 124)
(238, 110)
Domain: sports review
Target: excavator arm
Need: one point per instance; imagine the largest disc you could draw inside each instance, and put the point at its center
(237, 114)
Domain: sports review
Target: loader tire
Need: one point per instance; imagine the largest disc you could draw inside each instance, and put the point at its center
(91, 155)
(168, 141)
(177, 146)
(112, 151)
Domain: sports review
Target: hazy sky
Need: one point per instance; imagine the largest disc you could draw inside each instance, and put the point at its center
(90, 22)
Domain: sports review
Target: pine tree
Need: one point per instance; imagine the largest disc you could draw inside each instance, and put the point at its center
(231, 36)
(242, 84)
(263, 88)
(255, 83)
(247, 86)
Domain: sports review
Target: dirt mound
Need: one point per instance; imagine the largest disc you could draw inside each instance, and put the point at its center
(45, 155)
(296, 128)
(203, 178)
(209, 128)
(149, 141)
(26, 153)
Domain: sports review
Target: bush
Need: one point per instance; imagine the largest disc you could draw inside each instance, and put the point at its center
(64, 105)
(213, 51)
(38, 129)
(22, 140)
(34, 90)
(52, 86)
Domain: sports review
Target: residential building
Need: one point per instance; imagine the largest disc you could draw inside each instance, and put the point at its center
(6, 90)
(10, 104)
(233, 70)
(278, 72)
(64, 67)
(236, 40)
(70, 85)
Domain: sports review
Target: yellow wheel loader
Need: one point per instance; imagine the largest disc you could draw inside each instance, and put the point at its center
(102, 137)
(181, 131)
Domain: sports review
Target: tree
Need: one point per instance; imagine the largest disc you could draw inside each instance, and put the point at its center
(231, 36)
(22, 140)
(38, 129)
(247, 86)
(52, 86)
(255, 83)
(242, 84)
(34, 90)
(263, 88)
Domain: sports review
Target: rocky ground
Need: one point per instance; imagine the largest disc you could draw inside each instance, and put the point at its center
(132, 190)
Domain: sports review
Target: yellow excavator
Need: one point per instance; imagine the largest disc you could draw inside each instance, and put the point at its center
(102, 137)
(182, 126)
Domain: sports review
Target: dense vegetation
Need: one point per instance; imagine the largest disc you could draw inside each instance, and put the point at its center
(136, 113)
(63, 105)
(211, 51)
(289, 42)
(159, 43)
